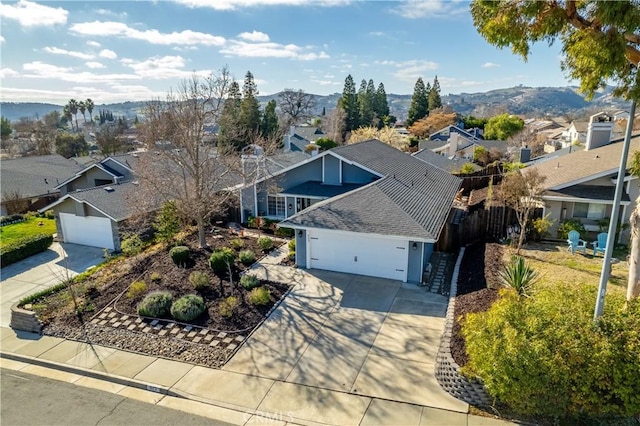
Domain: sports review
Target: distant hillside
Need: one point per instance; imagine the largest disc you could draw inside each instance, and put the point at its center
(527, 101)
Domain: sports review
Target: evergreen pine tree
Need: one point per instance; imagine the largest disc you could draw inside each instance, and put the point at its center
(419, 103)
(249, 108)
(269, 126)
(349, 103)
(230, 125)
(434, 95)
(381, 106)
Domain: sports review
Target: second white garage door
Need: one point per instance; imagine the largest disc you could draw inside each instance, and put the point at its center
(358, 254)
(87, 230)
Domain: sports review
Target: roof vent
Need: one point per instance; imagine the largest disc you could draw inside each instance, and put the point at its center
(109, 189)
(135, 182)
(134, 155)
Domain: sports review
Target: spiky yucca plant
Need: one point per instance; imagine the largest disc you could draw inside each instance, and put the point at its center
(519, 276)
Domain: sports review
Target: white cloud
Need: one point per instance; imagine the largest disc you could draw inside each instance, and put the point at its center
(416, 9)
(159, 67)
(107, 53)
(238, 4)
(30, 14)
(58, 51)
(41, 70)
(270, 50)
(109, 94)
(377, 33)
(93, 43)
(326, 82)
(107, 12)
(1, 39)
(94, 65)
(409, 71)
(7, 72)
(254, 36)
(490, 65)
(110, 28)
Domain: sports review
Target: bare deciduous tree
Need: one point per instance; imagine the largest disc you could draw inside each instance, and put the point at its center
(333, 124)
(295, 105)
(181, 167)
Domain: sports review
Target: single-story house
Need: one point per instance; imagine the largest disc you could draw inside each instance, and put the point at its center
(110, 170)
(581, 184)
(301, 136)
(30, 183)
(451, 165)
(365, 208)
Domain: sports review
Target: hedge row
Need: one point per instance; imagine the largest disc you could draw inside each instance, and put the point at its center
(23, 248)
(7, 220)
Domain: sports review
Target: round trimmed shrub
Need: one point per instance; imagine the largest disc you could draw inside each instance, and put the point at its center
(188, 307)
(179, 254)
(236, 243)
(156, 304)
(228, 306)
(265, 243)
(259, 296)
(221, 259)
(249, 281)
(199, 280)
(247, 257)
(136, 289)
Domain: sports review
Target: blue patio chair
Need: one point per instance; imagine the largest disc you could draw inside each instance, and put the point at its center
(601, 244)
(575, 243)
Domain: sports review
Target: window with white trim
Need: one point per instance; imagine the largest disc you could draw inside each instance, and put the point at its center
(589, 210)
(275, 206)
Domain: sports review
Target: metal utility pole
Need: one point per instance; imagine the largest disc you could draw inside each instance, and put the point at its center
(615, 213)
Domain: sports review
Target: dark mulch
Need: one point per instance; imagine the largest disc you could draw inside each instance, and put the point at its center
(112, 283)
(479, 266)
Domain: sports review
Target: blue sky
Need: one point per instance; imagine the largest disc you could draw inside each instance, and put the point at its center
(123, 50)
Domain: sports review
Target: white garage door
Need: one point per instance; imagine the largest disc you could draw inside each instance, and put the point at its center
(358, 254)
(87, 230)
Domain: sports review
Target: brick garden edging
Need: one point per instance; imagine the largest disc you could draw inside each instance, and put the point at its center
(448, 373)
(24, 320)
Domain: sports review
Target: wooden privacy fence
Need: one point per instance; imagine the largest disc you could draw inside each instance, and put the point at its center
(481, 224)
(481, 178)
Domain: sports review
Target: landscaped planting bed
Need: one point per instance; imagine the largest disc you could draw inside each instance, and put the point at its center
(224, 312)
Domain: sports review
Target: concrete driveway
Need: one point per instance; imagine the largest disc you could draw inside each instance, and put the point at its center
(43, 270)
(354, 334)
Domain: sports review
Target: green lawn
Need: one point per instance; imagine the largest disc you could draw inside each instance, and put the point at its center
(10, 233)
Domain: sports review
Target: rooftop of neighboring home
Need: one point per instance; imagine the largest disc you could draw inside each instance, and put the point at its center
(412, 199)
(452, 165)
(34, 176)
(581, 166)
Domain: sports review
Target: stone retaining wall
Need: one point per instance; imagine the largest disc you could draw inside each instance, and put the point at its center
(22, 319)
(448, 373)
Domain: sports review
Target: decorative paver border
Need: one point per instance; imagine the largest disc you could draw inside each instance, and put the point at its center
(448, 373)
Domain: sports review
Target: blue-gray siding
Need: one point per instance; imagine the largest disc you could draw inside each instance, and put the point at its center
(415, 262)
(301, 248)
(331, 170)
(354, 174)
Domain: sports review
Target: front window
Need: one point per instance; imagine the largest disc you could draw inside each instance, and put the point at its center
(276, 206)
(589, 211)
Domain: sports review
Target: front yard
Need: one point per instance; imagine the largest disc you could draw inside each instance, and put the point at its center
(104, 307)
(28, 228)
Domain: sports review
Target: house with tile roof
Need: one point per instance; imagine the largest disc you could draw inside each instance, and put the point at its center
(30, 183)
(581, 184)
(365, 208)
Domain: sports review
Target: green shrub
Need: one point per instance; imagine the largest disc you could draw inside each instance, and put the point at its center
(228, 306)
(43, 293)
(221, 259)
(518, 276)
(524, 348)
(49, 214)
(199, 280)
(167, 222)
(188, 307)
(179, 255)
(156, 304)
(23, 248)
(14, 218)
(265, 243)
(247, 257)
(292, 245)
(325, 143)
(155, 277)
(540, 227)
(285, 232)
(131, 244)
(259, 296)
(569, 225)
(249, 281)
(136, 289)
(236, 243)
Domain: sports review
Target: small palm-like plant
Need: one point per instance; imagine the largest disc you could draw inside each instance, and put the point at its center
(519, 276)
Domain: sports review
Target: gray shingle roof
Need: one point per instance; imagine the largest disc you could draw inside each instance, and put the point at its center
(412, 200)
(437, 160)
(590, 192)
(309, 133)
(318, 189)
(119, 204)
(33, 176)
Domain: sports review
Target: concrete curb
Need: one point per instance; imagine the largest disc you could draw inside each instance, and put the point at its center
(91, 373)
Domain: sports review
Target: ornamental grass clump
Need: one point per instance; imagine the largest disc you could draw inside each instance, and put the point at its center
(199, 280)
(188, 308)
(156, 304)
(259, 296)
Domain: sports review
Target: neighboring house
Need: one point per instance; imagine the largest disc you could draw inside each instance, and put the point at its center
(445, 133)
(111, 170)
(365, 208)
(576, 133)
(301, 136)
(30, 183)
(95, 216)
(580, 185)
(451, 165)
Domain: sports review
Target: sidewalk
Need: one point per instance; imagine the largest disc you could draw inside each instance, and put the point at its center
(229, 396)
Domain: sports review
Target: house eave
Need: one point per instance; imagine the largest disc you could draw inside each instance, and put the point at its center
(582, 200)
(341, 231)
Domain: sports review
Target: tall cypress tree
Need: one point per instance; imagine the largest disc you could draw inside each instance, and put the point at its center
(365, 103)
(249, 107)
(231, 132)
(269, 126)
(381, 106)
(349, 102)
(419, 103)
(434, 95)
